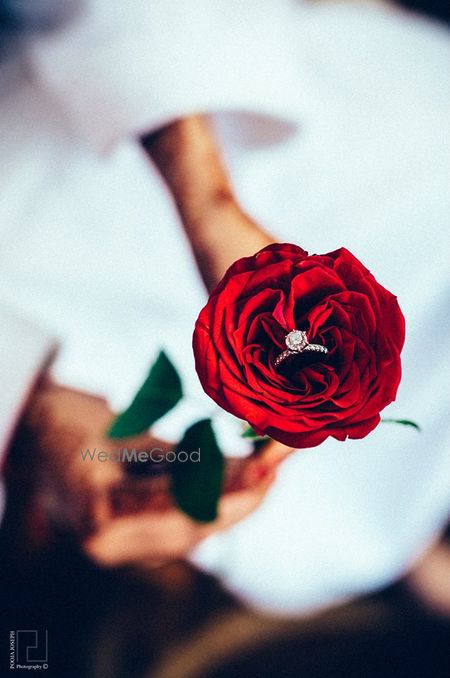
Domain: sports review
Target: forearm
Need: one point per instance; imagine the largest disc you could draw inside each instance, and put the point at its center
(219, 231)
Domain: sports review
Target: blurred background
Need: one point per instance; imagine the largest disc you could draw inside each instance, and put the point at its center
(333, 120)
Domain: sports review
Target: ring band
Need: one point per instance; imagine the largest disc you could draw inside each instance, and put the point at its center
(297, 342)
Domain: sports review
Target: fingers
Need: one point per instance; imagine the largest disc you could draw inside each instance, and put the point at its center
(236, 506)
(109, 461)
(131, 521)
(156, 536)
(148, 536)
(104, 479)
(273, 453)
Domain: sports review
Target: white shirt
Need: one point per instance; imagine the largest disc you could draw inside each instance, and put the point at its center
(334, 121)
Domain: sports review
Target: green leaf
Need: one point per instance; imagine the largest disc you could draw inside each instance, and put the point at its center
(159, 393)
(250, 433)
(403, 422)
(196, 485)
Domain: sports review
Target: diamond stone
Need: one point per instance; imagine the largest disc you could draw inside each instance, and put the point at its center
(296, 340)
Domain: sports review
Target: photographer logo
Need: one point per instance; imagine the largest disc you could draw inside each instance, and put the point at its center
(28, 649)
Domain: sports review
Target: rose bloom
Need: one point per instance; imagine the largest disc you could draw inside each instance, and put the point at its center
(311, 395)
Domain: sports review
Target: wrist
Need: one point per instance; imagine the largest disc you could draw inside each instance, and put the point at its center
(188, 159)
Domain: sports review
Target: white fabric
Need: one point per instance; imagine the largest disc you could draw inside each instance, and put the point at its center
(128, 68)
(24, 350)
(93, 248)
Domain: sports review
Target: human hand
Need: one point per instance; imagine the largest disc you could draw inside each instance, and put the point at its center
(117, 516)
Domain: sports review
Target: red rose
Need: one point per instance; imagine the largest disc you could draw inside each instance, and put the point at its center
(309, 396)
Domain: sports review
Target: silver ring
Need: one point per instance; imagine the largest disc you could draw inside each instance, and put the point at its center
(297, 342)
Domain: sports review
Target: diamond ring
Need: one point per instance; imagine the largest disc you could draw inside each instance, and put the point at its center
(297, 342)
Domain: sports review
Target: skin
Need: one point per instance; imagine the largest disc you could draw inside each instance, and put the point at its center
(81, 497)
(219, 231)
